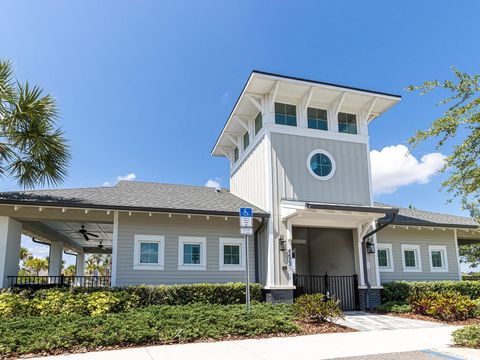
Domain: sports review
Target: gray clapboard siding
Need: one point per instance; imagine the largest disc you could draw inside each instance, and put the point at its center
(349, 185)
(424, 238)
(172, 228)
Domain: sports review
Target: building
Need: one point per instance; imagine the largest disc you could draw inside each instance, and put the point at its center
(299, 156)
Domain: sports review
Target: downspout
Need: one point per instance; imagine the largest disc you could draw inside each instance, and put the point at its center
(364, 254)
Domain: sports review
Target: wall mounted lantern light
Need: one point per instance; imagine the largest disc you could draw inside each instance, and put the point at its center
(370, 246)
(283, 243)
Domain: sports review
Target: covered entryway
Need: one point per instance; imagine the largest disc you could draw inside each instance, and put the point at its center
(325, 263)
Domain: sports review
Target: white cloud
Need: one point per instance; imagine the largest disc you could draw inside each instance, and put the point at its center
(128, 177)
(215, 183)
(394, 166)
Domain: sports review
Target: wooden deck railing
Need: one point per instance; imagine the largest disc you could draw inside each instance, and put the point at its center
(41, 282)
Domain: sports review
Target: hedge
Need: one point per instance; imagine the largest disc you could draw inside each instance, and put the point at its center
(84, 301)
(468, 336)
(150, 325)
(400, 291)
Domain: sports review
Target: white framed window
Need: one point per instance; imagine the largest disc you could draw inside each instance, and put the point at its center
(411, 258)
(438, 258)
(385, 257)
(148, 252)
(231, 254)
(192, 253)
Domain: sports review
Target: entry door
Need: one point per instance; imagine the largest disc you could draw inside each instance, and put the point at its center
(301, 258)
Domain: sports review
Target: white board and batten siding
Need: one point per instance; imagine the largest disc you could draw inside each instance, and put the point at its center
(249, 178)
(423, 238)
(172, 228)
(349, 184)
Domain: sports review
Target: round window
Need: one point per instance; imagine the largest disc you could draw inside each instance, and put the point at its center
(321, 164)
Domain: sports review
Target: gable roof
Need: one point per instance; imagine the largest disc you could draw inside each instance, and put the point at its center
(138, 196)
(407, 216)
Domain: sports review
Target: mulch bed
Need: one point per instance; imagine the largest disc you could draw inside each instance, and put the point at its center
(306, 328)
(472, 321)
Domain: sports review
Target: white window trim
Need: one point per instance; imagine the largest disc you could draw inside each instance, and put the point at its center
(231, 241)
(327, 154)
(418, 258)
(443, 251)
(388, 248)
(138, 239)
(182, 240)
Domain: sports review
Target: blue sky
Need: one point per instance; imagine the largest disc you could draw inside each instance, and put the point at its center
(144, 87)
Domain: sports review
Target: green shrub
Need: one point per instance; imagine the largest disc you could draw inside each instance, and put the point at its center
(97, 301)
(448, 306)
(468, 336)
(316, 307)
(154, 324)
(393, 307)
(400, 291)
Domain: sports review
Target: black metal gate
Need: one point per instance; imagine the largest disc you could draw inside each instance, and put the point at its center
(343, 287)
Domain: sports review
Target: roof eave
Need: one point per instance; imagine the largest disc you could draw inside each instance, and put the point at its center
(129, 208)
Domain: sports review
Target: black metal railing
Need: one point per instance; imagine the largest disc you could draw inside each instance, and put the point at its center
(342, 287)
(42, 282)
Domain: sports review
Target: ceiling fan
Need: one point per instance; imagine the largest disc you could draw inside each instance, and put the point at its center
(86, 234)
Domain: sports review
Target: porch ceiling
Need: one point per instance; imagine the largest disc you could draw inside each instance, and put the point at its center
(330, 215)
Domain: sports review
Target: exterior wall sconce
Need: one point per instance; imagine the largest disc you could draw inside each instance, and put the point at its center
(283, 243)
(370, 247)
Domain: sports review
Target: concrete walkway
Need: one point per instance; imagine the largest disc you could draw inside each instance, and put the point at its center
(312, 347)
(363, 321)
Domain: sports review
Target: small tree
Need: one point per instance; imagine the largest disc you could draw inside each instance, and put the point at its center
(69, 270)
(35, 265)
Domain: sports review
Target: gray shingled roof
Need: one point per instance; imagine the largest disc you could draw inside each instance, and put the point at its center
(134, 195)
(408, 216)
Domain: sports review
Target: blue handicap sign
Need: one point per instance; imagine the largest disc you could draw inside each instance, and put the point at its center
(246, 212)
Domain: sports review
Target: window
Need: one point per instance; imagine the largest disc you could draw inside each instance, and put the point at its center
(347, 123)
(411, 258)
(148, 252)
(285, 114)
(385, 257)
(231, 254)
(192, 253)
(246, 140)
(321, 165)
(258, 123)
(235, 154)
(317, 119)
(438, 258)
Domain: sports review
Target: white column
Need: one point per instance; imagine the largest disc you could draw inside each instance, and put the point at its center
(55, 258)
(113, 281)
(80, 264)
(10, 238)
(289, 253)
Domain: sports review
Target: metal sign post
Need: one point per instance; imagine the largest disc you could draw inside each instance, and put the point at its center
(246, 228)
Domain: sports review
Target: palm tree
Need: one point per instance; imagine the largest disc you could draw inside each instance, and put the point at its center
(33, 149)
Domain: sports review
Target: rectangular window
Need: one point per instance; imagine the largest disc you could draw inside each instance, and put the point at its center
(246, 140)
(258, 123)
(148, 252)
(285, 114)
(231, 253)
(317, 119)
(191, 253)
(347, 123)
(385, 257)
(382, 258)
(411, 258)
(438, 258)
(235, 154)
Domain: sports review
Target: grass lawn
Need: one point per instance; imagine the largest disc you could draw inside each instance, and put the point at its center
(161, 324)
